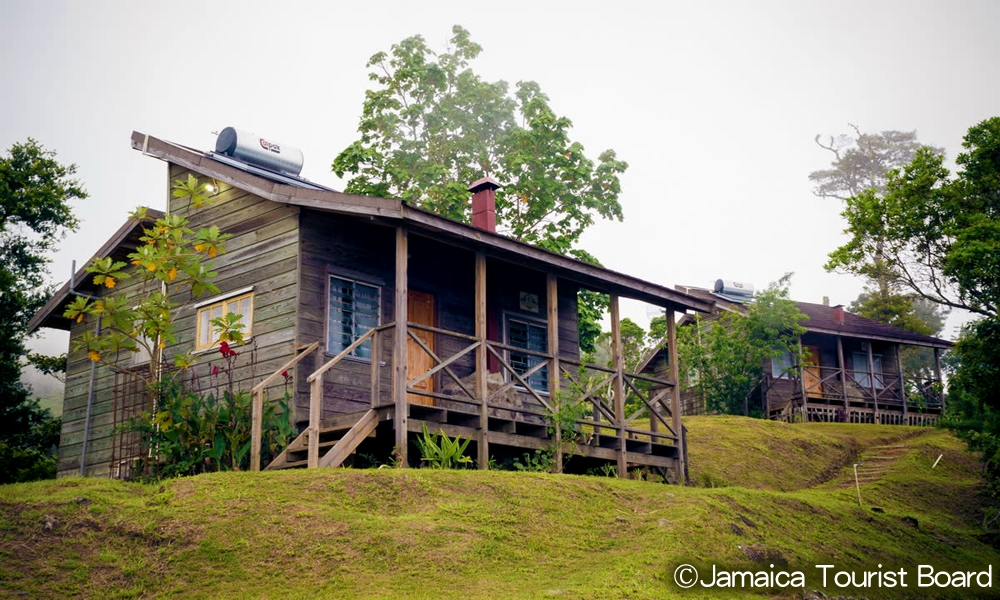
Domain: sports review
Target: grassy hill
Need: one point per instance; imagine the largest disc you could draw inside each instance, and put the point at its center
(781, 497)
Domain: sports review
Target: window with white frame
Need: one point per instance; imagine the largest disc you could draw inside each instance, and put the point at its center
(240, 304)
(860, 375)
(530, 335)
(352, 310)
(781, 365)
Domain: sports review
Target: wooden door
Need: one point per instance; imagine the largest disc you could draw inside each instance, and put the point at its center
(812, 376)
(420, 310)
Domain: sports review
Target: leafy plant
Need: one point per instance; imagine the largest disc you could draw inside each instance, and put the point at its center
(539, 461)
(171, 259)
(36, 193)
(192, 432)
(441, 452)
(723, 359)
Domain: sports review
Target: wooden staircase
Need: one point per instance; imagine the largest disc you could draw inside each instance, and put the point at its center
(338, 438)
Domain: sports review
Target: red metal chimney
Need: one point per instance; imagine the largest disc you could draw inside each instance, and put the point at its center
(484, 204)
(838, 313)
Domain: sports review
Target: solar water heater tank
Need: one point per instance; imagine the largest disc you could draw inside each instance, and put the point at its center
(262, 152)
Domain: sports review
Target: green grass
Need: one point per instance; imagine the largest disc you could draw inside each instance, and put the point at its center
(466, 534)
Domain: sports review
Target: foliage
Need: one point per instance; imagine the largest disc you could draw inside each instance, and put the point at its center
(172, 260)
(861, 165)
(439, 451)
(542, 460)
(725, 359)
(201, 433)
(862, 162)
(935, 235)
(35, 196)
(48, 365)
(29, 436)
(911, 313)
(193, 431)
(432, 126)
(634, 343)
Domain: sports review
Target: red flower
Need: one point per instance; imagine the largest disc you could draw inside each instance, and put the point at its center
(215, 370)
(226, 351)
(286, 375)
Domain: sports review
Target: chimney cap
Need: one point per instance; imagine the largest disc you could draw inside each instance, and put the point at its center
(484, 183)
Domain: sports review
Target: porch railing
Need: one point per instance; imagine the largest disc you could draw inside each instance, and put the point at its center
(831, 384)
(644, 414)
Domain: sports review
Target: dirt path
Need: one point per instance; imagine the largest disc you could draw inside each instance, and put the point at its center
(876, 461)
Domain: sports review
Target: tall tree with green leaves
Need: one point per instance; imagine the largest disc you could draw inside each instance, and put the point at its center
(936, 235)
(35, 213)
(861, 164)
(431, 126)
(724, 359)
(939, 235)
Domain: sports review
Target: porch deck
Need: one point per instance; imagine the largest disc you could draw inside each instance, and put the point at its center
(503, 418)
(834, 394)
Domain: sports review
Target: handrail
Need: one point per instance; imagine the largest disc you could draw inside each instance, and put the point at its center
(509, 348)
(336, 359)
(257, 408)
(428, 328)
(288, 365)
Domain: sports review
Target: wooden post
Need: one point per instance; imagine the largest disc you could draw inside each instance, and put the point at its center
(376, 356)
(315, 412)
(902, 384)
(802, 384)
(843, 378)
(937, 374)
(399, 351)
(256, 417)
(482, 368)
(619, 362)
(675, 375)
(871, 379)
(552, 310)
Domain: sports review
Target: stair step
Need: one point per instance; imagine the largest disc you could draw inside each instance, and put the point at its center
(304, 445)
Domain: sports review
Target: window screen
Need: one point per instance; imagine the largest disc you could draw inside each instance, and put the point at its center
(530, 336)
(353, 310)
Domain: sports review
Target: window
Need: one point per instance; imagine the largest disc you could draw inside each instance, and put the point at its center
(860, 375)
(781, 366)
(529, 335)
(352, 310)
(142, 356)
(241, 304)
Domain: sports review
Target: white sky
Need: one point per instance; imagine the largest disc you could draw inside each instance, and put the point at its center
(714, 104)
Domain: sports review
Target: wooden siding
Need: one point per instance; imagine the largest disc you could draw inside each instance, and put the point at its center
(263, 253)
(359, 249)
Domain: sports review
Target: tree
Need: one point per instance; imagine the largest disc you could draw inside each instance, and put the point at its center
(35, 212)
(861, 165)
(935, 235)
(723, 359)
(634, 348)
(432, 126)
(940, 239)
(171, 260)
(911, 313)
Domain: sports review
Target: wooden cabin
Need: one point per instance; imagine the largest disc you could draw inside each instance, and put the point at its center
(853, 373)
(388, 319)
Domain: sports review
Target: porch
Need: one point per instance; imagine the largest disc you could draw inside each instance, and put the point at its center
(871, 388)
(508, 397)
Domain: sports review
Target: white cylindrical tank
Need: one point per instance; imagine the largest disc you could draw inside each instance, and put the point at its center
(733, 288)
(261, 152)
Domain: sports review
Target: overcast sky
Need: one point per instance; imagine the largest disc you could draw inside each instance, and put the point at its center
(713, 104)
